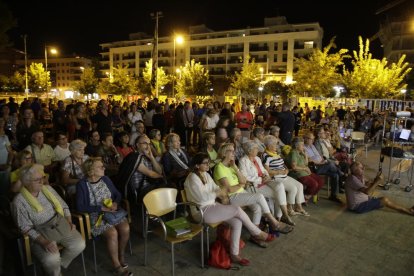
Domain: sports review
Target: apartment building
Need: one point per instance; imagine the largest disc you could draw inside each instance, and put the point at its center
(64, 71)
(273, 46)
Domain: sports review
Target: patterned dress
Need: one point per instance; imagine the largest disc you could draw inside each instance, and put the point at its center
(98, 191)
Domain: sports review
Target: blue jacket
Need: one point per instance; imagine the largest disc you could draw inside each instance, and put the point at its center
(83, 196)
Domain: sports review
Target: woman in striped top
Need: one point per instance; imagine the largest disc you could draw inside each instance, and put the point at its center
(275, 166)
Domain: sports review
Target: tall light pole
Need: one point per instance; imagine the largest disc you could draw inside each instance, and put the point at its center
(157, 15)
(26, 90)
(54, 52)
(177, 39)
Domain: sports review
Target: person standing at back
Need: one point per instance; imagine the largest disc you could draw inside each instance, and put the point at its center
(286, 121)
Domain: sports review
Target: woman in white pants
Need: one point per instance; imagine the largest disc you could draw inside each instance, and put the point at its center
(201, 189)
(232, 180)
(252, 168)
(275, 166)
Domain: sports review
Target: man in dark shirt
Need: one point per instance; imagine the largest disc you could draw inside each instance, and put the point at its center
(102, 121)
(286, 121)
(59, 118)
(13, 106)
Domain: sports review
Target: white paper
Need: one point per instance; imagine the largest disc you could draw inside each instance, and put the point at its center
(405, 134)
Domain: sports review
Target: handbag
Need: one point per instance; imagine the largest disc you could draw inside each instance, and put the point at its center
(114, 218)
(54, 229)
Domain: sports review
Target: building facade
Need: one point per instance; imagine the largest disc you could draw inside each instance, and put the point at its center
(274, 46)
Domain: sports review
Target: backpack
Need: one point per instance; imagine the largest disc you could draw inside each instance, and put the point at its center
(219, 251)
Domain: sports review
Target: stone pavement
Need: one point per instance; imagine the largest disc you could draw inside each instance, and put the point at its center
(332, 241)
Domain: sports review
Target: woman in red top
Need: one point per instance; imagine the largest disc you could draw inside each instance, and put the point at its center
(244, 120)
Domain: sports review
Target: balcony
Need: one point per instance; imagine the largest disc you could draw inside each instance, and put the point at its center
(235, 50)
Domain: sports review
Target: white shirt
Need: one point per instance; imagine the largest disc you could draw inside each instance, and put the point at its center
(199, 193)
(61, 153)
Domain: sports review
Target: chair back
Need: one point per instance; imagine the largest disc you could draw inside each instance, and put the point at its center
(160, 201)
(358, 135)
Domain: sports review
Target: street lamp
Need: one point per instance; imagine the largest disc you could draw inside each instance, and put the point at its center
(404, 91)
(53, 51)
(180, 40)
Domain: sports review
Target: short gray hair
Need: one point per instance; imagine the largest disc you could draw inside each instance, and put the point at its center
(274, 129)
(249, 146)
(269, 140)
(26, 172)
(257, 131)
(76, 145)
(169, 139)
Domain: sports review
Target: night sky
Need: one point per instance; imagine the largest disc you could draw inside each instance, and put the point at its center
(77, 27)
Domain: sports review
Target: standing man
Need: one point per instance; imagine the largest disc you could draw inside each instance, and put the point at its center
(358, 191)
(286, 121)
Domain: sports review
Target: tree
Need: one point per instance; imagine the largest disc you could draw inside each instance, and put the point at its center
(146, 87)
(88, 83)
(193, 80)
(373, 78)
(247, 81)
(15, 83)
(7, 22)
(120, 83)
(319, 72)
(39, 79)
(278, 88)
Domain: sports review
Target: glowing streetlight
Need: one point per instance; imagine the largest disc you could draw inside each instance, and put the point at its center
(404, 91)
(178, 39)
(53, 51)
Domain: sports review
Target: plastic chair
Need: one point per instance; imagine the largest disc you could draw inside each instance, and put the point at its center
(206, 226)
(26, 252)
(359, 138)
(160, 202)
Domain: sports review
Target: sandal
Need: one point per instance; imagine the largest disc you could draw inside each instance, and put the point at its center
(258, 242)
(239, 260)
(287, 220)
(292, 213)
(283, 228)
(302, 213)
(120, 271)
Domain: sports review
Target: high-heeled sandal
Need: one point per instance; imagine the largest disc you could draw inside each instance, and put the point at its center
(239, 260)
(287, 220)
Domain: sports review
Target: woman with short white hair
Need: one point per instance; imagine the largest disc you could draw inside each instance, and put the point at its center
(252, 168)
(275, 166)
(42, 214)
(72, 166)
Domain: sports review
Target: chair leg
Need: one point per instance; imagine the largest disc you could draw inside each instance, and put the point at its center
(94, 256)
(145, 233)
(130, 247)
(34, 269)
(83, 264)
(172, 259)
(143, 220)
(208, 241)
(202, 249)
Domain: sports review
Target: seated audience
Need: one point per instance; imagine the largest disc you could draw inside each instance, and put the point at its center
(72, 166)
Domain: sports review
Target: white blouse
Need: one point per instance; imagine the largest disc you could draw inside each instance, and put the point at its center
(199, 193)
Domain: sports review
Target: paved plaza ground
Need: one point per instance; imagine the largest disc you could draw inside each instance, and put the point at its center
(332, 241)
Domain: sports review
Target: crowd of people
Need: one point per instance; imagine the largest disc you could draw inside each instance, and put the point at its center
(265, 159)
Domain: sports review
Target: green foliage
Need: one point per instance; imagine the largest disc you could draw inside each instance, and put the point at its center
(319, 72)
(39, 79)
(145, 86)
(193, 80)
(120, 83)
(7, 22)
(277, 88)
(88, 83)
(248, 80)
(373, 78)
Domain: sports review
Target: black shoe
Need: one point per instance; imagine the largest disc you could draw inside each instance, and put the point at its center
(335, 199)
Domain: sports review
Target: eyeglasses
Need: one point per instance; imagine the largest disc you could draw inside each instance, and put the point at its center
(206, 162)
(145, 143)
(37, 179)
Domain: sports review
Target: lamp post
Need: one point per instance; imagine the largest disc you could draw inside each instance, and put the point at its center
(54, 52)
(404, 91)
(26, 90)
(177, 39)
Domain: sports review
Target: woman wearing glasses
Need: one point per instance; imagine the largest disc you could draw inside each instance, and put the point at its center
(91, 194)
(201, 189)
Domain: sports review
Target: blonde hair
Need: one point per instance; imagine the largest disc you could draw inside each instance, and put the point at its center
(88, 164)
(169, 139)
(223, 149)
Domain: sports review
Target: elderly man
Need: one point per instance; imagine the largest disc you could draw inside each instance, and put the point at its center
(42, 214)
(358, 191)
(323, 166)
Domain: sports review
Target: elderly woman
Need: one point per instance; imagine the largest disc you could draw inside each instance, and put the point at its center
(175, 160)
(41, 213)
(237, 139)
(72, 166)
(233, 182)
(258, 135)
(201, 189)
(275, 166)
(275, 131)
(92, 193)
(252, 168)
(297, 161)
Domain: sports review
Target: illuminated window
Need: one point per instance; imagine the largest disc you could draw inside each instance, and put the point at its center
(308, 45)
